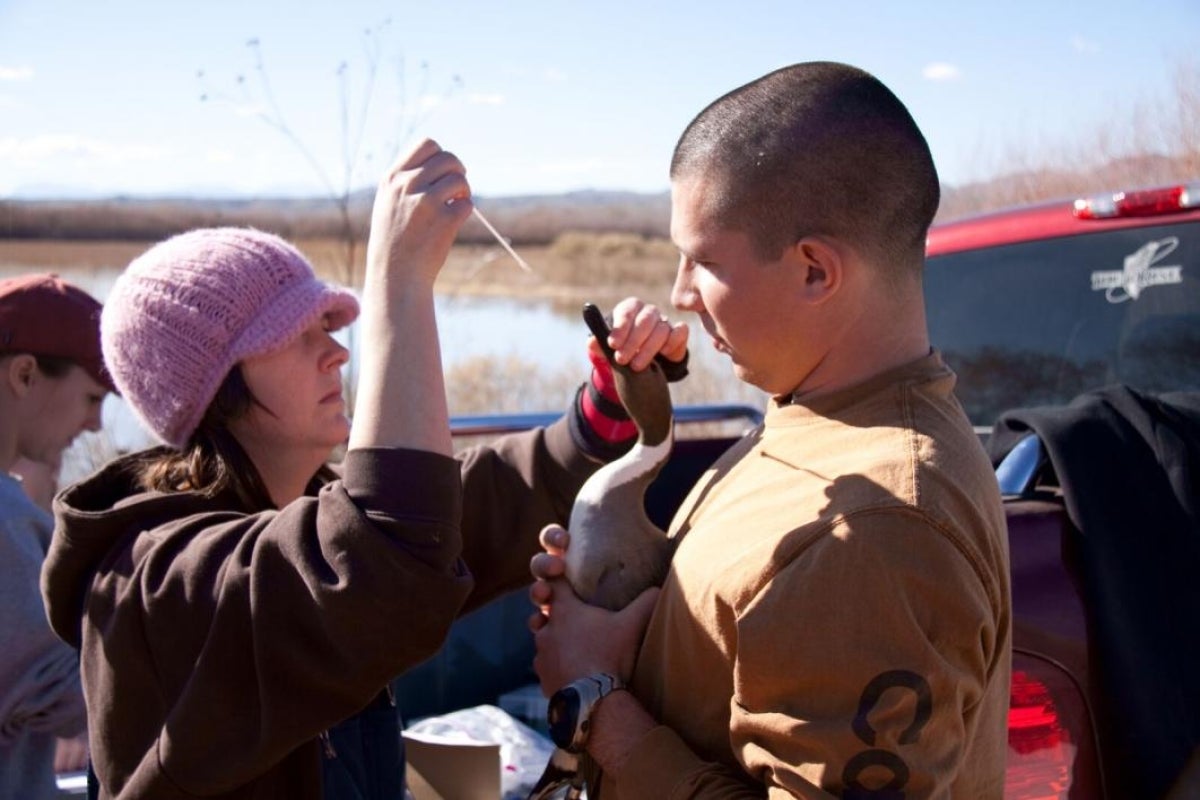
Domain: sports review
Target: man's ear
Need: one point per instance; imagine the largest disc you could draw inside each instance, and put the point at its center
(20, 372)
(821, 265)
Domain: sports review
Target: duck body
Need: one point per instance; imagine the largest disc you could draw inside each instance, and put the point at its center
(616, 551)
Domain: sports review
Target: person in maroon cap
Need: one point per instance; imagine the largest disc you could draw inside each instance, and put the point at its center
(52, 386)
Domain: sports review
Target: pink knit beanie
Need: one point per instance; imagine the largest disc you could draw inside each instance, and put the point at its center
(187, 310)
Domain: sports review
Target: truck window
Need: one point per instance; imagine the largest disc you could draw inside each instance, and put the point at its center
(1040, 322)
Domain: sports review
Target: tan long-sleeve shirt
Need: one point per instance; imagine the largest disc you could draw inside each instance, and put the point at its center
(837, 614)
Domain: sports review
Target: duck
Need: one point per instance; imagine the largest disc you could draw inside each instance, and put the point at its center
(616, 550)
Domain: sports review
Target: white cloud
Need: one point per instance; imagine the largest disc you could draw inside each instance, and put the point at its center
(16, 73)
(219, 157)
(555, 75)
(1082, 45)
(82, 149)
(941, 71)
(478, 99)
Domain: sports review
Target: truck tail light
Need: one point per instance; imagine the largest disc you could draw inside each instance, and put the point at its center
(1051, 755)
(1142, 203)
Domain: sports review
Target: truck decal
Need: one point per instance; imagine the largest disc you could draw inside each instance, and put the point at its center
(1139, 272)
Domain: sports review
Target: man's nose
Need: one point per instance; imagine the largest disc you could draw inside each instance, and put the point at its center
(683, 291)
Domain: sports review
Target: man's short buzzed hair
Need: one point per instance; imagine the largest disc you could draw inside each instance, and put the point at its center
(815, 148)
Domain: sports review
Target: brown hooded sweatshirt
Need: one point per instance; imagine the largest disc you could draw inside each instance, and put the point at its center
(218, 644)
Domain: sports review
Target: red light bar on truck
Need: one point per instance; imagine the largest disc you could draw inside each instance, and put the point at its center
(1141, 203)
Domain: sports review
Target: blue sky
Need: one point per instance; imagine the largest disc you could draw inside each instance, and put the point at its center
(103, 97)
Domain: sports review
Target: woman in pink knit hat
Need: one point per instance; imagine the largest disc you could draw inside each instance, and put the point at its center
(239, 607)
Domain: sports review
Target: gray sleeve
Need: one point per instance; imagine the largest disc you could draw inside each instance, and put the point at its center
(39, 674)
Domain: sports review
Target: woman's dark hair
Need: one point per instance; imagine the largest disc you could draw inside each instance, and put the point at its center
(212, 461)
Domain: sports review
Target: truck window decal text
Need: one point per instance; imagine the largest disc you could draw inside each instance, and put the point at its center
(1140, 272)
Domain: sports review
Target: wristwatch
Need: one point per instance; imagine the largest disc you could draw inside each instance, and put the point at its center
(570, 709)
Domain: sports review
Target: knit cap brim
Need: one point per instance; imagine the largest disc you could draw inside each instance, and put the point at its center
(187, 310)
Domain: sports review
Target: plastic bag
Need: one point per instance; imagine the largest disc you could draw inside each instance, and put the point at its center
(523, 751)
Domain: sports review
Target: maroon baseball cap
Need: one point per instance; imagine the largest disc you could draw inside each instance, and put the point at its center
(46, 316)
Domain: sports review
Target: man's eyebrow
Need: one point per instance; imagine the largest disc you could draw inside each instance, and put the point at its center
(690, 255)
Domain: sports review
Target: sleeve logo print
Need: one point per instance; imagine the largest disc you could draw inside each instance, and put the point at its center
(922, 701)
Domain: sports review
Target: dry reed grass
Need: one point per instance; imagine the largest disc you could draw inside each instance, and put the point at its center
(1143, 143)
(54, 255)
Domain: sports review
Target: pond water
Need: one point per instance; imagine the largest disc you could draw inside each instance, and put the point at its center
(500, 355)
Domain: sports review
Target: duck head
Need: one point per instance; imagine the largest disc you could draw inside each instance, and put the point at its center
(645, 394)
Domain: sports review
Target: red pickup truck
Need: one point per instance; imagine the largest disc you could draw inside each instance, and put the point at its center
(1033, 307)
(1089, 312)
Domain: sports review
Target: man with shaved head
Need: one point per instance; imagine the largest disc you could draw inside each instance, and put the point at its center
(836, 621)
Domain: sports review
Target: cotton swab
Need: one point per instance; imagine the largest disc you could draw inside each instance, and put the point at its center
(503, 242)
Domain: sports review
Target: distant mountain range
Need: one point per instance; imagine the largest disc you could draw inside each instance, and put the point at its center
(527, 219)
